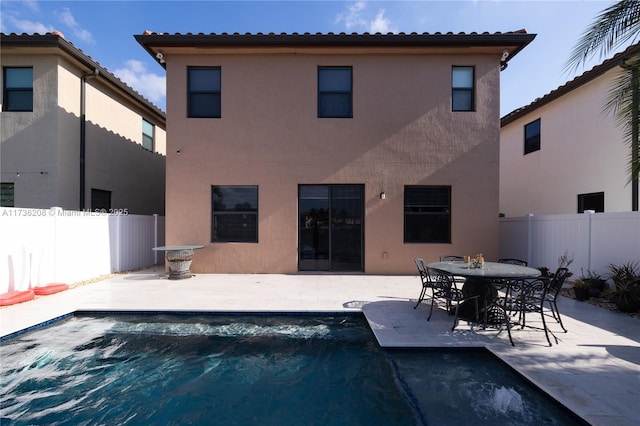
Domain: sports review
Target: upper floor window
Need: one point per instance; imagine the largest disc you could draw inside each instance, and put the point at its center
(427, 214)
(235, 214)
(7, 194)
(17, 93)
(532, 137)
(204, 98)
(462, 88)
(148, 135)
(593, 201)
(335, 88)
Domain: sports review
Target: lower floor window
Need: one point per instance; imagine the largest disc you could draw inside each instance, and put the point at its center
(7, 194)
(234, 214)
(593, 201)
(427, 214)
(100, 200)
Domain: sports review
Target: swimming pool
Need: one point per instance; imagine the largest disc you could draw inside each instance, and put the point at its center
(246, 370)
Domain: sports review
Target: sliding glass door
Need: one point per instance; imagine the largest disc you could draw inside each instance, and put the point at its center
(330, 228)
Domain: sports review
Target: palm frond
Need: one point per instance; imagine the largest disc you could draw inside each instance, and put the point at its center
(620, 102)
(616, 25)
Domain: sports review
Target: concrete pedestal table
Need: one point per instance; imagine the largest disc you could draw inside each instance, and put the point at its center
(179, 260)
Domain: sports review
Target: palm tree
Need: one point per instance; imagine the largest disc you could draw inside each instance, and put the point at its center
(615, 26)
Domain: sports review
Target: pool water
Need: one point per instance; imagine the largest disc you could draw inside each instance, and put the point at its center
(251, 370)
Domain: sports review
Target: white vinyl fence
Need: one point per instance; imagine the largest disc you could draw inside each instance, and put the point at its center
(41, 246)
(594, 240)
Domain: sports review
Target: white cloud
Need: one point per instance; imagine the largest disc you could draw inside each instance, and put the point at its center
(25, 26)
(31, 5)
(381, 24)
(355, 17)
(65, 16)
(151, 86)
(352, 17)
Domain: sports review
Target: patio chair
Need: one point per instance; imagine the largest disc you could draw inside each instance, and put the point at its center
(424, 279)
(531, 296)
(454, 258)
(445, 287)
(514, 262)
(553, 291)
(528, 297)
(502, 283)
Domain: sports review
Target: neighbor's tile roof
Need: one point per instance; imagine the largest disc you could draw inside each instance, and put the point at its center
(57, 39)
(566, 88)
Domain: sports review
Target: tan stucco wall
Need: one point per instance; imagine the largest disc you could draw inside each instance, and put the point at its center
(403, 133)
(581, 151)
(115, 159)
(28, 139)
(48, 140)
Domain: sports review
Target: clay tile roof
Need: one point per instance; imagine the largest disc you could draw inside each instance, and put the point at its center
(578, 81)
(514, 39)
(56, 39)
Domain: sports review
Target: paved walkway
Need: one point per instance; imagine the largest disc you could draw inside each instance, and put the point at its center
(594, 370)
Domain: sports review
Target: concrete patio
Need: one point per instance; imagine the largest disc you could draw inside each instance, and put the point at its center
(594, 370)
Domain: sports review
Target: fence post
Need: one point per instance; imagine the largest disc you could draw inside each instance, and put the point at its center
(155, 238)
(55, 212)
(118, 243)
(589, 237)
(529, 237)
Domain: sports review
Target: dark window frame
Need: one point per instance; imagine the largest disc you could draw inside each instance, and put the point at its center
(7, 91)
(417, 215)
(323, 93)
(532, 136)
(149, 138)
(464, 89)
(215, 94)
(216, 215)
(592, 200)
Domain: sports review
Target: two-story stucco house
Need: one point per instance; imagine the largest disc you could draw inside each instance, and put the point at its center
(332, 152)
(73, 135)
(564, 154)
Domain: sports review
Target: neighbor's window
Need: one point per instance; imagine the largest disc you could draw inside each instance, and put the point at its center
(532, 137)
(427, 214)
(592, 201)
(462, 96)
(204, 99)
(235, 214)
(148, 133)
(17, 93)
(335, 92)
(100, 199)
(7, 194)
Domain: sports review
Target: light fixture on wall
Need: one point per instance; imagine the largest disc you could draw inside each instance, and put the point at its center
(383, 195)
(178, 151)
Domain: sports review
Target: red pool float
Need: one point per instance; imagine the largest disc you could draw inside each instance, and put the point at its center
(15, 296)
(50, 289)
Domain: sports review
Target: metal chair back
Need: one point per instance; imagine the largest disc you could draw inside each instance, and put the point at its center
(514, 261)
(451, 258)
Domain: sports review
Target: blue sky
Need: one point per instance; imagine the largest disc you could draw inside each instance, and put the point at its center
(104, 30)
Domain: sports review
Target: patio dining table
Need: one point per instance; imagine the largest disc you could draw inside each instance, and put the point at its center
(486, 281)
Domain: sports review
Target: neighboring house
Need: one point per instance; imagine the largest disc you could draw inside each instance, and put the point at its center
(563, 154)
(73, 135)
(332, 152)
